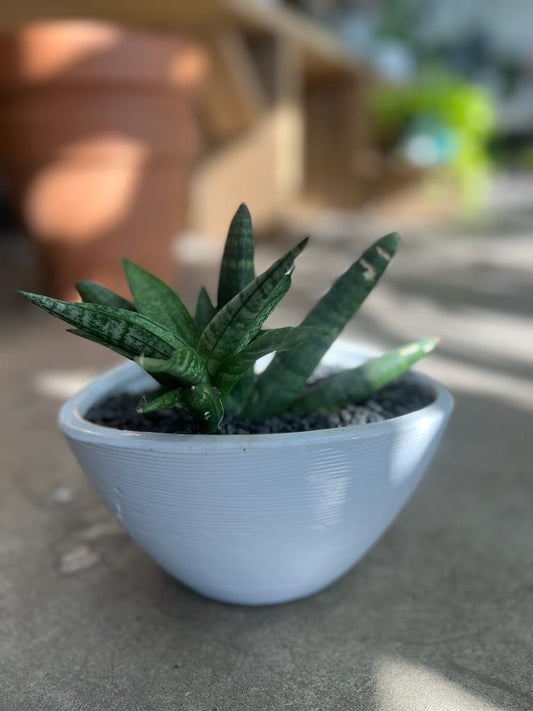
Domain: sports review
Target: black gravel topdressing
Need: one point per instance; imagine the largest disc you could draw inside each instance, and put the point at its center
(403, 396)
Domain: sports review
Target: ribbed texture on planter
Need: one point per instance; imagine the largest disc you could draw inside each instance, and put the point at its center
(255, 519)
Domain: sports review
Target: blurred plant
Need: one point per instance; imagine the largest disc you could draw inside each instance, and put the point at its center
(204, 365)
(526, 158)
(439, 121)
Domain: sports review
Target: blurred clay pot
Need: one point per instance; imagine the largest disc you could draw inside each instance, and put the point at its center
(99, 135)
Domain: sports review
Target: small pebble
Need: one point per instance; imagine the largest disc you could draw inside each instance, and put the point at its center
(97, 530)
(63, 494)
(77, 559)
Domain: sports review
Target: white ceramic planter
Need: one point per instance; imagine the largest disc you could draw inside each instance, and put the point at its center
(255, 519)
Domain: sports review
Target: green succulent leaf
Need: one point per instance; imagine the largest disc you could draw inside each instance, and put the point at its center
(237, 267)
(204, 310)
(125, 331)
(184, 365)
(285, 377)
(95, 294)
(94, 339)
(169, 400)
(277, 339)
(240, 393)
(158, 301)
(201, 401)
(205, 403)
(353, 386)
(206, 363)
(240, 320)
(274, 339)
(161, 378)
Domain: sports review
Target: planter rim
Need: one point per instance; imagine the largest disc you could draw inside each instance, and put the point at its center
(62, 53)
(96, 32)
(73, 423)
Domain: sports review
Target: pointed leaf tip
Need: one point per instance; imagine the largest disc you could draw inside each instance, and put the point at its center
(96, 294)
(278, 385)
(236, 324)
(243, 209)
(127, 332)
(237, 265)
(353, 386)
(429, 344)
(387, 246)
(205, 310)
(159, 302)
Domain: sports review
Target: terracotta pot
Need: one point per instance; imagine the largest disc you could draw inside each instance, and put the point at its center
(99, 135)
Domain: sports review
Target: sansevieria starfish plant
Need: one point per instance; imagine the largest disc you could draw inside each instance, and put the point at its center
(205, 364)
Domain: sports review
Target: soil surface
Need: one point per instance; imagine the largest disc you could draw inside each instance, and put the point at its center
(403, 396)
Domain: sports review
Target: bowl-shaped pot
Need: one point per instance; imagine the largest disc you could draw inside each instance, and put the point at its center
(255, 519)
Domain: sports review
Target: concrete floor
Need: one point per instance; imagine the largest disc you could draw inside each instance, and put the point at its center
(437, 617)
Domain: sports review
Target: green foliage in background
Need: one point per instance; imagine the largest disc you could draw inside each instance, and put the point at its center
(465, 112)
(205, 364)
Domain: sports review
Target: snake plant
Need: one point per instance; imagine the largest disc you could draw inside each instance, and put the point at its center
(205, 364)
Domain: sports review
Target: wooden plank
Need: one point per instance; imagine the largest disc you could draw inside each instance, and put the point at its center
(244, 169)
(256, 98)
(289, 120)
(337, 143)
(165, 15)
(263, 167)
(235, 99)
(322, 51)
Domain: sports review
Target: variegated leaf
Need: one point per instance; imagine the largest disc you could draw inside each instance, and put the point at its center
(352, 386)
(277, 339)
(204, 310)
(237, 267)
(101, 342)
(201, 401)
(158, 301)
(184, 365)
(285, 377)
(127, 331)
(240, 320)
(240, 392)
(169, 400)
(206, 405)
(96, 294)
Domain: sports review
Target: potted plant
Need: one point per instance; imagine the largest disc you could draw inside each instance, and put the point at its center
(255, 518)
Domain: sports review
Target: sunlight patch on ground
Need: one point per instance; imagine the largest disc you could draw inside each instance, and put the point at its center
(474, 379)
(61, 384)
(492, 348)
(466, 329)
(404, 686)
